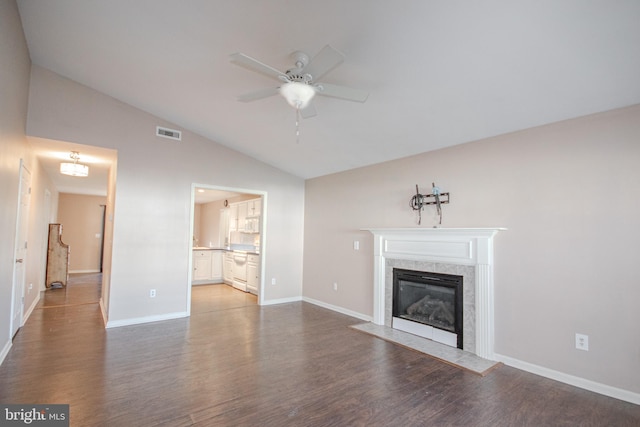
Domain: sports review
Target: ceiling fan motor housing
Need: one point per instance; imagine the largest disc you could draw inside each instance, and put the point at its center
(300, 58)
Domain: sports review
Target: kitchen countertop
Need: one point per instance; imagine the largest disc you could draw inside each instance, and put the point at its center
(206, 248)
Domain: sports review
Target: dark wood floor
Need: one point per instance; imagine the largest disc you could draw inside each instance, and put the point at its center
(234, 363)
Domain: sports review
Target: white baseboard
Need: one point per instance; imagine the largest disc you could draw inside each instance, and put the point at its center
(26, 315)
(146, 319)
(105, 317)
(281, 301)
(617, 393)
(338, 309)
(5, 351)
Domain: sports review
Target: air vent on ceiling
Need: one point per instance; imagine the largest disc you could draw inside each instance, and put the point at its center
(169, 133)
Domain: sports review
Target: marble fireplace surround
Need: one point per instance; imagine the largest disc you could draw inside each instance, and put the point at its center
(462, 251)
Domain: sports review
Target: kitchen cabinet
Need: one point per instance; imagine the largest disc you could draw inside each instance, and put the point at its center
(233, 217)
(254, 207)
(253, 273)
(207, 266)
(201, 265)
(245, 216)
(252, 222)
(216, 265)
(242, 216)
(227, 268)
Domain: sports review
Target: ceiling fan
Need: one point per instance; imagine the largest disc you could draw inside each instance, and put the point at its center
(302, 82)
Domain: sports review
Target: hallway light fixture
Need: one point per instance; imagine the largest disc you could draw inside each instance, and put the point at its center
(75, 168)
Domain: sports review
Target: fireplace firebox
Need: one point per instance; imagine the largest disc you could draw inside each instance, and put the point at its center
(428, 304)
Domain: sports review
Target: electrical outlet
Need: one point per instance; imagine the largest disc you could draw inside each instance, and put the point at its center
(582, 342)
(152, 293)
(335, 286)
(356, 245)
(273, 280)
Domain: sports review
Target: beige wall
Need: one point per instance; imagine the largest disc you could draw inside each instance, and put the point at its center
(81, 218)
(567, 192)
(15, 67)
(152, 206)
(14, 87)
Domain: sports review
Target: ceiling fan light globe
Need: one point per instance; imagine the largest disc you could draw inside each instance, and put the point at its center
(297, 94)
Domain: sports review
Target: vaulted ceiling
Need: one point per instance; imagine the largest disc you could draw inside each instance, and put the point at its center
(438, 73)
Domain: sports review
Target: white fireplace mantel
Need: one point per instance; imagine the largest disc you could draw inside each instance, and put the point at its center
(462, 246)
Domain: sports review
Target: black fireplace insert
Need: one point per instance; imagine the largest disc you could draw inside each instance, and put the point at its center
(433, 299)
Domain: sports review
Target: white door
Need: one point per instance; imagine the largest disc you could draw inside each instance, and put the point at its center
(21, 250)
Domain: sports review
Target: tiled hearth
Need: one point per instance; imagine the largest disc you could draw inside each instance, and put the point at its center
(447, 354)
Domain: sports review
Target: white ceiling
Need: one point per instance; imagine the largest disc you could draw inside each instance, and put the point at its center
(439, 73)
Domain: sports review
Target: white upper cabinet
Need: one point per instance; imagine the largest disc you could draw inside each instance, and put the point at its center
(254, 207)
(245, 216)
(233, 217)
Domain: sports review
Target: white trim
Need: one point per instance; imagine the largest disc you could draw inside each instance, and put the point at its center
(105, 318)
(607, 390)
(338, 309)
(263, 237)
(146, 319)
(31, 308)
(17, 313)
(425, 331)
(5, 351)
(461, 246)
(280, 301)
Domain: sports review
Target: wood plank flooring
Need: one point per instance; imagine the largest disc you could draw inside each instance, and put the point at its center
(234, 363)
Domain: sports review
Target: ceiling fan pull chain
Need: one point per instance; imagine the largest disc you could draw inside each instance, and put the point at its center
(297, 125)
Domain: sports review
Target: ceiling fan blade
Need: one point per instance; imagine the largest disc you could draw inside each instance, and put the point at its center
(254, 65)
(308, 112)
(342, 92)
(326, 60)
(258, 94)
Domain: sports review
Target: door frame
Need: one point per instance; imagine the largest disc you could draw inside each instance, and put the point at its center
(20, 254)
(263, 234)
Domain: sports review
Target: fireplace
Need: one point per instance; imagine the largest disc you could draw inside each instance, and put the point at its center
(428, 304)
(466, 252)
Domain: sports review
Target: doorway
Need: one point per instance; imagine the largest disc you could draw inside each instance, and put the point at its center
(101, 181)
(227, 225)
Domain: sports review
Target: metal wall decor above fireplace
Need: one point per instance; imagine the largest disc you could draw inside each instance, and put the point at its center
(431, 300)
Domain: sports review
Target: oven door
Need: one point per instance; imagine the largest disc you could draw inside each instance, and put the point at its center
(240, 271)
(240, 267)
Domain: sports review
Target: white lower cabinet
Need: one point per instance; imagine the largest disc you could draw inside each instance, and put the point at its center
(201, 265)
(207, 267)
(253, 274)
(227, 267)
(216, 265)
(247, 279)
